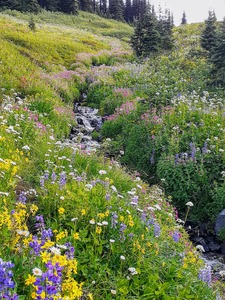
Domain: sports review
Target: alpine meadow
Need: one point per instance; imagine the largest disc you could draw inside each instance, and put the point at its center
(111, 221)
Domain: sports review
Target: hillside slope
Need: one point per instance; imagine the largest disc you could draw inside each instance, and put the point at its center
(73, 224)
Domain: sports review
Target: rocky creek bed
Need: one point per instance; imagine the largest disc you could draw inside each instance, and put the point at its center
(80, 137)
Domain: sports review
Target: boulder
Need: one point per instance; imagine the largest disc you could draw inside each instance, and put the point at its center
(220, 222)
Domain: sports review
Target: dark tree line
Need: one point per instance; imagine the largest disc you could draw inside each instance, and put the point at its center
(66, 6)
(122, 10)
(213, 41)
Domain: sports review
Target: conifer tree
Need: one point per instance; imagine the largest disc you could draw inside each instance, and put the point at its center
(116, 9)
(218, 57)
(52, 5)
(103, 7)
(146, 38)
(86, 5)
(128, 11)
(165, 30)
(69, 6)
(184, 19)
(208, 36)
(21, 5)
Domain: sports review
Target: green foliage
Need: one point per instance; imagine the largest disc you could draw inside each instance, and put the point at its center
(126, 239)
(31, 24)
(146, 38)
(218, 57)
(208, 36)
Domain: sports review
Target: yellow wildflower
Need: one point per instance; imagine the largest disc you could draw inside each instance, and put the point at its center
(98, 230)
(45, 257)
(76, 236)
(83, 212)
(61, 210)
(30, 280)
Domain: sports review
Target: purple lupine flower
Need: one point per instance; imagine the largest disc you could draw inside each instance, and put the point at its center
(205, 275)
(46, 175)
(205, 148)
(176, 161)
(53, 177)
(150, 222)
(193, 150)
(22, 197)
(40, 224)
(134, 200)
(42, 182)
(122, 229)
(35, 246)
(62, 180)
(152, 158)
(114, 220)
(46, 234)
(143, 217)
(6, 282)
(107, 197)
(53, 278)
(157, 230)
(176, 236)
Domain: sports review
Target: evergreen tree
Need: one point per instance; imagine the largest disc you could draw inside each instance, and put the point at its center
(128, 12)
(116, 9)
(146, 38)
(208, 36)
(165, 30)
(218, 57)
(21, 5)
(86, 5)
(69, 6)
(184, 19)
(103, 7)
(52, 5)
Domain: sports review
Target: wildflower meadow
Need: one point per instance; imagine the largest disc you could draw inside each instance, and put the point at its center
(78, 224)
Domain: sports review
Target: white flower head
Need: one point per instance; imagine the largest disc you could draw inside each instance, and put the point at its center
(102, 172)
(112, 241)
(113, 292)
(92, 222)
(189, 204)
(37, 272)
(55, 250)
(122, 257)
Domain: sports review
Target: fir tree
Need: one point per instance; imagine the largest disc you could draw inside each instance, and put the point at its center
(21, 5)
(116, 9)
(103, 7)
(146, 38)
(184, 19)
(52, 5)
(218, 57)
(86, 5)
(208, 36)
(165, 30)
(128, 11)
(69, 6)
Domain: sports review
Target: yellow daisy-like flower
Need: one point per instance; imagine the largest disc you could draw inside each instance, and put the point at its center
(76, 236)
(61, 210)
(30, 280)
(98, 230)
(83, 212)
(45, 257)
(90, 297)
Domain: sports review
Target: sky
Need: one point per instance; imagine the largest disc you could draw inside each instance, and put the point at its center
(196, 10)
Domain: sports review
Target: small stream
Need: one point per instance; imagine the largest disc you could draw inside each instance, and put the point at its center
(80, 137)
(88, 121)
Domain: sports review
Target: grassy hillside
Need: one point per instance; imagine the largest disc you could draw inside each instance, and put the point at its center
(73, 224)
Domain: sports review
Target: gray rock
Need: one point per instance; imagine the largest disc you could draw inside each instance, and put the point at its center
(220, 222)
